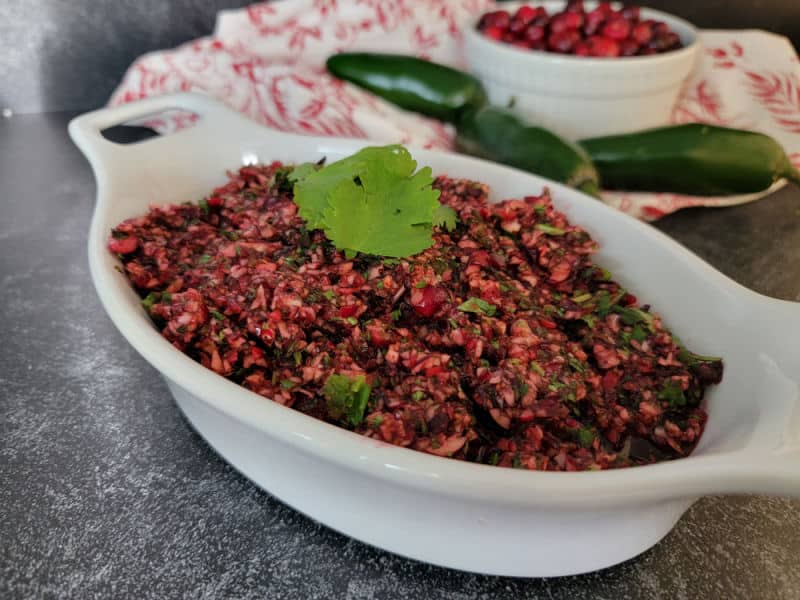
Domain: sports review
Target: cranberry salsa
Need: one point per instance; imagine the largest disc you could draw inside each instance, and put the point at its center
(500, 343)
(600, 32)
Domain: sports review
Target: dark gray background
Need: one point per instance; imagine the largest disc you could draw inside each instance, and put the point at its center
(70, 54)
(105, 492)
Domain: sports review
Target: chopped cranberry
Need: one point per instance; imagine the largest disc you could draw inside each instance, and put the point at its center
(215, 201)
(123, 245)
(427, 301)
(629, 299)
(642, 33)
(348, 311)
(603, 46)
(616, 29)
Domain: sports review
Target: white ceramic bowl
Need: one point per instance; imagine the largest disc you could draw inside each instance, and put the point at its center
(577, 96)
(456, 514)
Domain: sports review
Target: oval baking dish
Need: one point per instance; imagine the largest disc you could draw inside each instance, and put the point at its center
(455, 514)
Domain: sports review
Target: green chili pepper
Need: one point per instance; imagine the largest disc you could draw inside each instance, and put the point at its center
(500, 135)
(411, 83)
(697, 159)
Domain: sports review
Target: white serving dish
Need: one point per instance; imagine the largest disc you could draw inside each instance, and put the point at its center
(446, 512)
(581, 97)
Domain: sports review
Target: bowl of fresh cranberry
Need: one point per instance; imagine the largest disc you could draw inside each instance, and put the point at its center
(580, 68)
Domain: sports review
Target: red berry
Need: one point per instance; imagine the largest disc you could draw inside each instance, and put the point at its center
(581, 49)
(428, 300)
(631, 13)
(498, 18)
(348, 311)
(642, 33)
(524, 44)
(617, 29)
(542, 21)
(593, 21)
(575, 6)
(628, 47)
(534, 33)
(564, 21)
(509, 37)
(493, 32)
(605, 8)
(215, 201)
(528, 13)
(563, 41)
(660, 27)
(603, 46)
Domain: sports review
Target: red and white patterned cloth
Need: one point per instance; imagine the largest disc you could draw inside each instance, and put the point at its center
(267, 61)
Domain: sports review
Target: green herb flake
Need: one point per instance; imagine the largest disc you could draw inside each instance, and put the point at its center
(421, 284)
(205, 258)
(151, 299)
(478, 306)
(203, 204)
(375, 421)
(347, 397)
(298, 358)
(417, 395)
(576, 364)
(638, 334)
(582, 298)
(287, 384)
(586, 437)
(673, 394)
(217, 315)
(379, 284)
(352, 321)
(549, 229)
(329, 295)
(395, 314)
(536, 367)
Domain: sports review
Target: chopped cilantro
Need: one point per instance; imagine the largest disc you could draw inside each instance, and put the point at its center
(379, 284)
(494, 457)
(417, 395)
(395, 314)
(376, 421)
(638, 333)
(672, 393)
(151, 299)
(549, 229)
(231, 235)
(287, 384)
(478, 306)
(347, 397)
(205, 258)
(421, 284)
(329, 294)
(582, 298)
(586, 437)
(534, 366)
(576, 364)
(371, 202)
(203, 204)
(632, 316)
(590, 320)
(217, 315)
(352, 321)
(298, 357)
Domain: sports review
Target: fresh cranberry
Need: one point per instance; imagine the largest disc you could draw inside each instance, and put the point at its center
(564, 21)
(581, 49)
(509, 37)
(563, 41)
(123, 245)
(660, 27)
(493, 32)
(498, 18)
(603, 47)
(348, 311)
(534, 33)
(631, 13)
(542, 21)
(529, 13)
(605, 8)
(642, 33)
(662, 42)
(523, 44)
(428, 300)
(628, 47)
(616, 29)
(215, 201)
(593, 21)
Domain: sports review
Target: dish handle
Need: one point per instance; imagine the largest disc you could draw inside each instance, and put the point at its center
(86, 130)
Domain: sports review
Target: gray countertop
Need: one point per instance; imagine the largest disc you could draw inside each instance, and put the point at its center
(105, 491)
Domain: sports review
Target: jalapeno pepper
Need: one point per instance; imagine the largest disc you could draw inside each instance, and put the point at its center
(696, 159)
(503, 136)
(411, 83)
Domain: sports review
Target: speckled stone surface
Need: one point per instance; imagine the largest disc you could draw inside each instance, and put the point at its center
(106, 492)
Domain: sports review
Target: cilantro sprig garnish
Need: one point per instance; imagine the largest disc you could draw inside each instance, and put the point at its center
(373, 202)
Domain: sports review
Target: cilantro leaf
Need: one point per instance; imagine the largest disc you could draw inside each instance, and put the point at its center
(672, 393)
(478, 306)
(389, 213)
(549, 229)
(371, 202)
(445, 217)
(347, 397)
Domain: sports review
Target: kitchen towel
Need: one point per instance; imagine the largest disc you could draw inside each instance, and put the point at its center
(267, 61)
